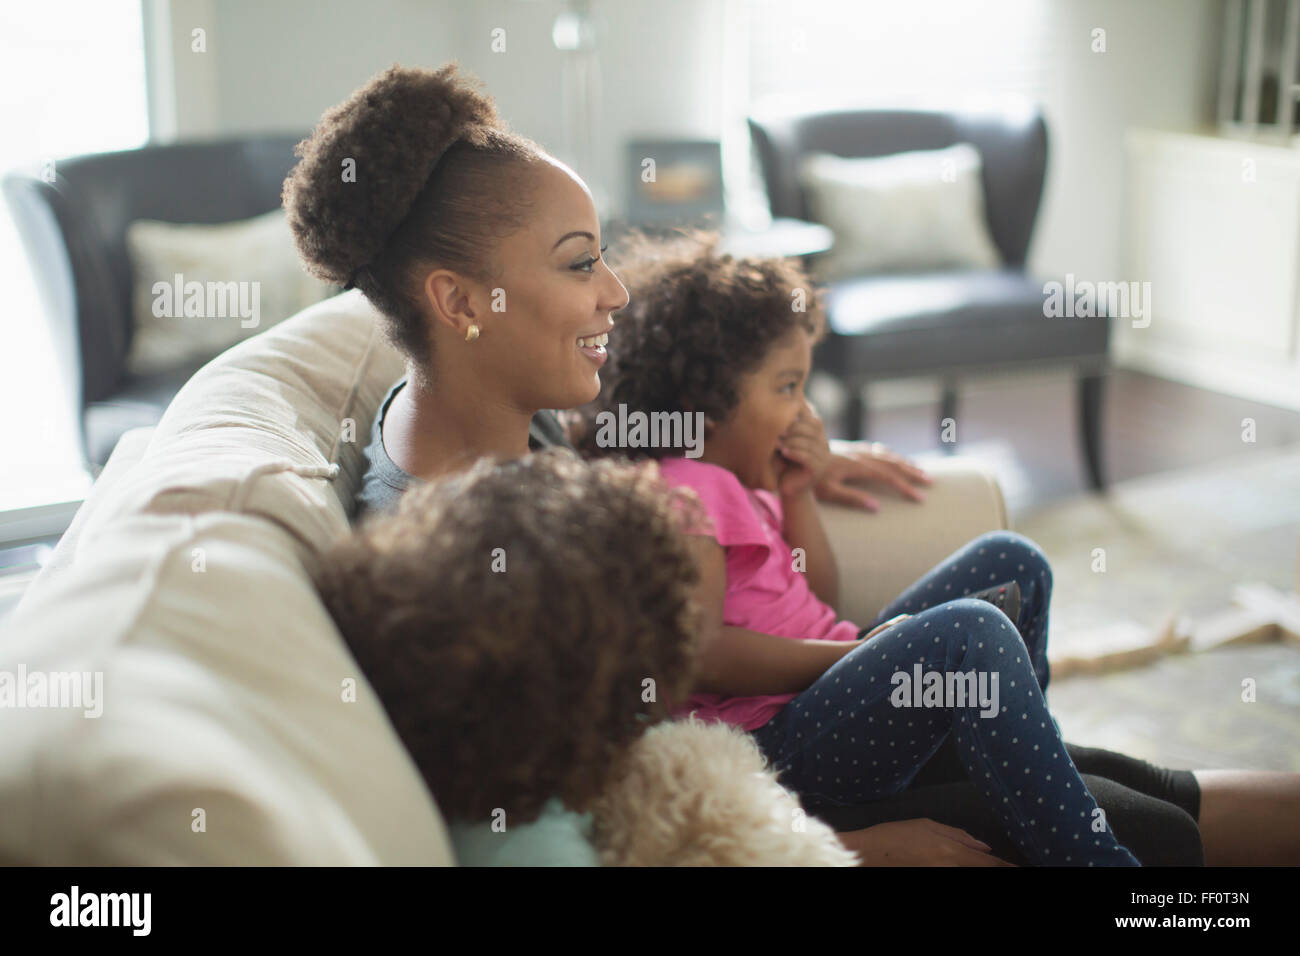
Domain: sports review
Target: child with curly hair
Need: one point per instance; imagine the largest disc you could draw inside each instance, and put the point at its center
(522, 624)
(732, 340)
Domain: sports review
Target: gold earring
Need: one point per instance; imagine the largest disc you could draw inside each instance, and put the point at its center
(471, 333)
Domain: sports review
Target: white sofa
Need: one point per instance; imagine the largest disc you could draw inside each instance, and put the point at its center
(227, 735)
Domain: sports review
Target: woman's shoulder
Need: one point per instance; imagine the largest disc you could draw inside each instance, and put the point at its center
(382, 481)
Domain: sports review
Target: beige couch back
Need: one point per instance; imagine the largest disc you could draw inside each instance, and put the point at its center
(207, 710)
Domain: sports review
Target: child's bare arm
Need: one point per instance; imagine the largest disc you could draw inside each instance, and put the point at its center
(803, 529)
(744, 663)
(739, 662)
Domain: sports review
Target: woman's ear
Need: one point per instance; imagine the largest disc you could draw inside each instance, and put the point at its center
(448, 299)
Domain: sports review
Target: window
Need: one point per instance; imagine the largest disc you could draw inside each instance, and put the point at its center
(929, 50)
(833, 53)
(72, 80)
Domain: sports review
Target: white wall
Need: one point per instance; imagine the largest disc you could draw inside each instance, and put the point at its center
(1159, 70)
(274, 66)
(279, 65)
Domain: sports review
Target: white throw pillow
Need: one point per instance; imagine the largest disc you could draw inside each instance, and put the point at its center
(197, 290)
(912, 211)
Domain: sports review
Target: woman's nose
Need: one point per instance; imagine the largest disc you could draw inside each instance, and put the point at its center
(615, 293)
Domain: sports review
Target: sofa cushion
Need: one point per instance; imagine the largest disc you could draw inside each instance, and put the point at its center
(226, 686)
(225, 735)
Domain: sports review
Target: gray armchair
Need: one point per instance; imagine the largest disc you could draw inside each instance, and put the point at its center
(74, 230)
(949, 324)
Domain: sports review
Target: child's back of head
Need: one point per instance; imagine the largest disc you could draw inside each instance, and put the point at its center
(521, 623)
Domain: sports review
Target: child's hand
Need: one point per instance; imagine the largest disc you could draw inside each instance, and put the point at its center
(805, 451)
(896, 619)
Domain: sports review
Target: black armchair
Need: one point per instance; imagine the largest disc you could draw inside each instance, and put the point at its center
(950, 324)
(74, 230)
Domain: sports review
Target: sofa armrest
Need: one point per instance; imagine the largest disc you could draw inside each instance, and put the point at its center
(880, 554)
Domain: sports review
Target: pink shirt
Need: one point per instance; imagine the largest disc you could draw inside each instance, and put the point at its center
(764, 592)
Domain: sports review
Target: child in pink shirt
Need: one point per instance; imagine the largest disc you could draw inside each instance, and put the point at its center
(730, 342)
(764, 592)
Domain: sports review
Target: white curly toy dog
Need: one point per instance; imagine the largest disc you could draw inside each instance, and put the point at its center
(701, 794)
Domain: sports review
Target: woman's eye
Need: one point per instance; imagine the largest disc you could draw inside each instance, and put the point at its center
(586, 266)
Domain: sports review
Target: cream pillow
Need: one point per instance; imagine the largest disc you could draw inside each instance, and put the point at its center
(236, 278)
(912, 211)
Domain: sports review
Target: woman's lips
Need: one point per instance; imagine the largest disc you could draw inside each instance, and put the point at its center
(593, 346)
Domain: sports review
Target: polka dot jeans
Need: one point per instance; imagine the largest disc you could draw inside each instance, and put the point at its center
(865, 728)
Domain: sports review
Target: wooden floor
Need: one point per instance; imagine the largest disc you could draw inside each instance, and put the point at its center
(1151, 425)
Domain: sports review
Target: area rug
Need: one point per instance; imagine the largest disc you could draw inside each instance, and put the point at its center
(1126, 672)
(1135, 570)
(1191, 711)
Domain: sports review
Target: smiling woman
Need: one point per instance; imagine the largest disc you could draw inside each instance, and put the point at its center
(480, 250)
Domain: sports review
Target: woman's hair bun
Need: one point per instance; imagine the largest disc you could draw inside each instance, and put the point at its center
(394, 129)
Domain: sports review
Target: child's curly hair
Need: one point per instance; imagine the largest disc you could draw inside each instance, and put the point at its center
(510, 618)
(695, 323)
(437, 180)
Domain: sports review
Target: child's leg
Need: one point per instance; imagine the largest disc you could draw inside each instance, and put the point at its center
(1175, 787)
(844, 741)
(987, 560)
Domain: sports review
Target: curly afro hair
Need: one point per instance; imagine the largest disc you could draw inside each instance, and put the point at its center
(695, 324)
(438, 179)
(509, 618)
